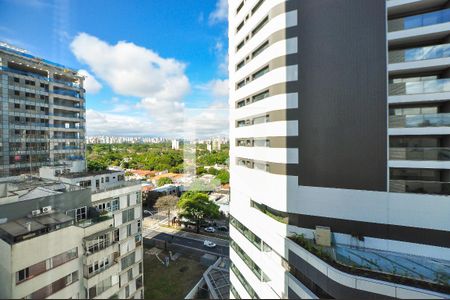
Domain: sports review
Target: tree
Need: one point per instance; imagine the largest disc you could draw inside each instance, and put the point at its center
(213, 171)
(167, 203)
(196, 207)
(164, 180)
(223, 176)
(94, 165)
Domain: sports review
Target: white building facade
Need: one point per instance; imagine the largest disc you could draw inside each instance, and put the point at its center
(338, 148)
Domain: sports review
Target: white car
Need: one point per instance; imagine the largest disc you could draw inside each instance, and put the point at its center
(210, 229)
(209, 244)
(147, 212)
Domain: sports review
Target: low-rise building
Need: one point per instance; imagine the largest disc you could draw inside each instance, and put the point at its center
(66, 239)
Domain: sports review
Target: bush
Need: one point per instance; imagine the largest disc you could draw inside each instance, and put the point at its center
(164, 181)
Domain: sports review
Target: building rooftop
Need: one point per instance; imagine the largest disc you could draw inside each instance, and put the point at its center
(23, 187)
(23, 53)
(217, 278)
(28, 227)
(89, 173)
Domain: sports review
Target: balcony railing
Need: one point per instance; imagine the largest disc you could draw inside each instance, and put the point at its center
(415, 121)
(419, 154)
(420, 187)
(419, 87)
(67, 93)
(432, 18)
(39, 77)
(416, 54)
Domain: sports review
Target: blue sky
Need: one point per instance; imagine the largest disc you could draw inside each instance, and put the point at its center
(153, 67)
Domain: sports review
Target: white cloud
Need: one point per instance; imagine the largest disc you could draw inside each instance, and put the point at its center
(132, 70)
(101, 123)
(217, 87)
(91, 84)
(161, 85)
(220, 13)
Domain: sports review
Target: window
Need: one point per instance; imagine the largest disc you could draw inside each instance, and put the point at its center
(255, 8)
(81, 213)
(127, 291)
(17, 105)
(16, 93)
(128, 215)
(16, 79)
(129, 230)
(261, 96)
(22, 275)
(138, 197)
(116, 235)
(128, 200)
(260, 49)
(260, 25)
(128, 260)
(130, 274)
(115, 204)
(107, 179)
(260, 73)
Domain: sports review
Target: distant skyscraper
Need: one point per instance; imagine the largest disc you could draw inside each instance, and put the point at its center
(42, 113)
(339, 148)
(175, 144)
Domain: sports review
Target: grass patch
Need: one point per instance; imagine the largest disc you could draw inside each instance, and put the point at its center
(173, 282)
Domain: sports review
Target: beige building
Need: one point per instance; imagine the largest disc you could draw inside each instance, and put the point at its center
(62, 240)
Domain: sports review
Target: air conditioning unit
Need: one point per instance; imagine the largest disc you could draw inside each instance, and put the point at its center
(36, 212)
(46, 209)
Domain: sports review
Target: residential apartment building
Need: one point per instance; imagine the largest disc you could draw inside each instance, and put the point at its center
(42, 116)
(66, 238)
(339, 154)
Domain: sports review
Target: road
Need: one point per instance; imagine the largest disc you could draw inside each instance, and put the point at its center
(194, 244)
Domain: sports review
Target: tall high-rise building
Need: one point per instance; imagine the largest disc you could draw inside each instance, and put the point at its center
(339, 148)
(42, 116)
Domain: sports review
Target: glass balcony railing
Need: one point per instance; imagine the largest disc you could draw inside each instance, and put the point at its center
(67, 93)
(420, 187)
(432, 18)
(419, 87)
(419, 154)
(415, 121)
(416, 54)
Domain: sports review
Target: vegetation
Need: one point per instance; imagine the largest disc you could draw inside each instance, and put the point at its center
(153, 157)
(94, 165)
(164, 180)
(196, 207)
(223, 176)
(173, 282)
(167, 203)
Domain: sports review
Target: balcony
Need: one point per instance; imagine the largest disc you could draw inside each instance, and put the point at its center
(419, 154)
(418, 121)
(420, 187)
(386, 273)
(417, 54)
(67, 93)
(427, 19)
(419, 87)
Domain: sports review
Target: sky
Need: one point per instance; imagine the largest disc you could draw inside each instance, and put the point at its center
(152, 67)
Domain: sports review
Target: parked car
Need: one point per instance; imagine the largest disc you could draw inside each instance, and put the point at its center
(148, 213)
(223, 228)
(210, 229)
(209, 244)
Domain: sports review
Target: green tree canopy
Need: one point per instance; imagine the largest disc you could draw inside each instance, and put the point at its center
(164, 180)
(95, 165)
(166, 202)
(213, 171)
(223, 176)
(196, 207)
